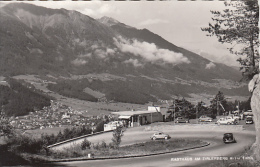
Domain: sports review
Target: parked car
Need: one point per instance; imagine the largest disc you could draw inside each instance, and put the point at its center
(233, 119)
(160, 135)
(204, 118)
(225, 121)
(182, 120)
(249, 120)
(229, 138)
(247, 113)
(235, 116)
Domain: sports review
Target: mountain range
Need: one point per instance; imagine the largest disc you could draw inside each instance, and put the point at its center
(104, 58)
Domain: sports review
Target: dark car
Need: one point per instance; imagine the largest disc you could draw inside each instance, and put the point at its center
(182, 120)
(249, 120)
(229, 138)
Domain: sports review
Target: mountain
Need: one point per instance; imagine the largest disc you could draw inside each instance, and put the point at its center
(89, 58)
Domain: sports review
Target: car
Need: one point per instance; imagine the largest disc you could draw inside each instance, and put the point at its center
(182, 120)
(235, 116)
(204, 118)
(225, 121)
(160, 135)
(247, 113)
(229, 138)
(233, 120)
(249, 120)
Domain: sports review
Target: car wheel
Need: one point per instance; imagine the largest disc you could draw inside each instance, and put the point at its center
(154, 138)
(228, 123)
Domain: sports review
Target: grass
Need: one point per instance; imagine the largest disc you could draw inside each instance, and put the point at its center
(102, 150)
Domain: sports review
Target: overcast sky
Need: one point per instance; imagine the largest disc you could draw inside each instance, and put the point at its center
(176, 21)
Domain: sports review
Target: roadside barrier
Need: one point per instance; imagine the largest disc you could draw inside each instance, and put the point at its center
(76, 138)
(206, 127)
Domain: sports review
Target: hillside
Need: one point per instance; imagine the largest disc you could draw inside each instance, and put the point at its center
(19, 99)
(104, 57)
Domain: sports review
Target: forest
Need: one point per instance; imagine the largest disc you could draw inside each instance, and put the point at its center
(19, 99)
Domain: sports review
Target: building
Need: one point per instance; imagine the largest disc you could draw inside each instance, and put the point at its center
(112, 125)
(138, 118)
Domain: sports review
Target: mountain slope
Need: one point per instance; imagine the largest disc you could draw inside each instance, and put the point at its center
(145, 67)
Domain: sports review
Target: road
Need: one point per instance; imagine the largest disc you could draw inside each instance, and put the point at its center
(216, 149)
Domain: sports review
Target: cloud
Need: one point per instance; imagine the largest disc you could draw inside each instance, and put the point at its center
(110, 51)
(150, 52)
(135, 62)
(100, 53)
(210, 65)
(229, 60)
(77, 41)
(153, 21)
(97, 10)
(104, 52)
(79, 62)
(85, 55)
(94, 46)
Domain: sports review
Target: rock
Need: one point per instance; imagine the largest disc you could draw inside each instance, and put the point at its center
(254, 87)
(253, 83)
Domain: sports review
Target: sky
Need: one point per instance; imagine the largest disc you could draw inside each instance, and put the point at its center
(179, 22)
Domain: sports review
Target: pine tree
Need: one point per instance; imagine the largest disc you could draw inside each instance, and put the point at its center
(238, 26)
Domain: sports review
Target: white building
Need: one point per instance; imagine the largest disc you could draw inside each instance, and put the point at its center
(112, 125)
(138, 118)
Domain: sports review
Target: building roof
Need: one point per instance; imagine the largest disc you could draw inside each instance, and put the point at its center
(131, 113)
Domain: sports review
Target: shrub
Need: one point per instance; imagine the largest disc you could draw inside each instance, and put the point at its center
(103, 145)
(96, 146)
(85, 144)
(117, 135)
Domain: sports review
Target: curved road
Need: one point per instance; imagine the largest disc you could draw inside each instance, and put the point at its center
(216, 149)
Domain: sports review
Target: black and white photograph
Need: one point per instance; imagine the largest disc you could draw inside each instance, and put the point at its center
(129, 84)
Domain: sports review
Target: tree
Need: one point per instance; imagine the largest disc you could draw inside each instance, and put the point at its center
(202, 109)
(218, 104)
(245, 105)
(100, 126)
(6, 128)
(238, 26)
(85, 144)
(117, 135)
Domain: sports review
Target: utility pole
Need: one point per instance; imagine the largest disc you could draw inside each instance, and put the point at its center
(174, 111)
(238, 107)
(197, 112)
(217, 107)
